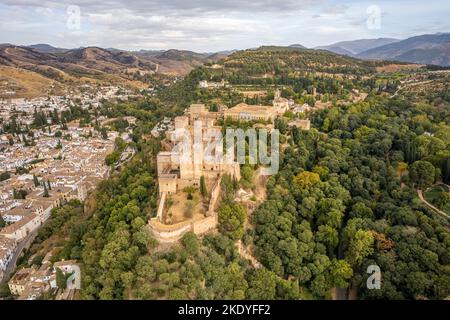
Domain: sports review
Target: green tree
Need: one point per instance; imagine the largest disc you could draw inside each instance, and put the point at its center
(112, 158)
(4, 176)
(328, 236)
(104, 133)
(320, 285)
(19, 194)
(203, 189)
(360, 246)
(446, 171)
(4, 290)
(35, 181)
(261, 285)
(442, 199)
(231, 220)
(422, 174)
(190, 190)
(190, 243)
(360, 210)
(46, 194)
(61, 280)
(306, 179)
(340, 273)
(2, 222)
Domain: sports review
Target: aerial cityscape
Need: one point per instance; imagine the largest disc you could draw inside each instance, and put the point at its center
(166, 150)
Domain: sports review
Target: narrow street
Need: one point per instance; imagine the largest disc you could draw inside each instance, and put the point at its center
(25, 243)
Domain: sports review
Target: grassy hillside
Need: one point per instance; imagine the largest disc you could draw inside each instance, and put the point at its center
(92, 64)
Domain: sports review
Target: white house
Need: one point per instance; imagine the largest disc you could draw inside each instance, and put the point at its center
(7, 249)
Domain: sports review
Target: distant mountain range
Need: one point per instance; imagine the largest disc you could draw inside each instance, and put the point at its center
(94, 59)
(352, 48)
(46, 48)
(115, 65)
(32, 70)
(423, 49)
(296, 45)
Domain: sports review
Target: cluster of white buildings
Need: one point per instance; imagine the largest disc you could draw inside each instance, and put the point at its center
(31, 283)
(68, 173)
(164, 125)
(85, 96)
(205, 84)
(7, 249)
(58, 165)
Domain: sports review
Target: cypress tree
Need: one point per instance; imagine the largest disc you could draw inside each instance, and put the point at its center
(45, 195)
(446, 171)
(35, 181)
(203, 190)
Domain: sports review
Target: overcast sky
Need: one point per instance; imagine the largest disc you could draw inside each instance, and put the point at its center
(214, 25)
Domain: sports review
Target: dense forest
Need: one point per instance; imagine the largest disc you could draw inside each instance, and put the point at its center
(281, 59)
(345, 198)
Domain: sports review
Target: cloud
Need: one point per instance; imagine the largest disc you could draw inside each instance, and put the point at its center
(206, 25)
(172, 22)
(174, 5)
(336, 9)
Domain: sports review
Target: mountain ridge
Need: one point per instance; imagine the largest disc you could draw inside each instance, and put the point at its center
(354, 47)
(425, 49)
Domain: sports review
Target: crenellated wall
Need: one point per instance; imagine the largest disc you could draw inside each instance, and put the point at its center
(172, 233)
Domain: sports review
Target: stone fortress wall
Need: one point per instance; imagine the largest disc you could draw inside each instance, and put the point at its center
(174, 174)
(170, 233)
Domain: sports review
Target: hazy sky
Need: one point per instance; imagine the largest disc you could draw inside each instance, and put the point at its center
(214, 25)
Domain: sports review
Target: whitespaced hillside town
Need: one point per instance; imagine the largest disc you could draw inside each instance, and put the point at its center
(46, 167)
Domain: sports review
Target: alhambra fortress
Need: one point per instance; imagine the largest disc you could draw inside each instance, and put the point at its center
(183, 164)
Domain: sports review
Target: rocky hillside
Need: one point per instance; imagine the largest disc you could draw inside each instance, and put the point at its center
(63, 67)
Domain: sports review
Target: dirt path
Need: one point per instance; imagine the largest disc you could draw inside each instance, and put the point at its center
(245, 253)
(421, 197)
(260, 183)
(411, 84)
(260, 193)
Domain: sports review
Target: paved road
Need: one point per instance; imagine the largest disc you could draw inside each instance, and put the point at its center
(126, 156)
(74, 281)
(421, 197)
(25, 243)
(409, 84)
(340, 294)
